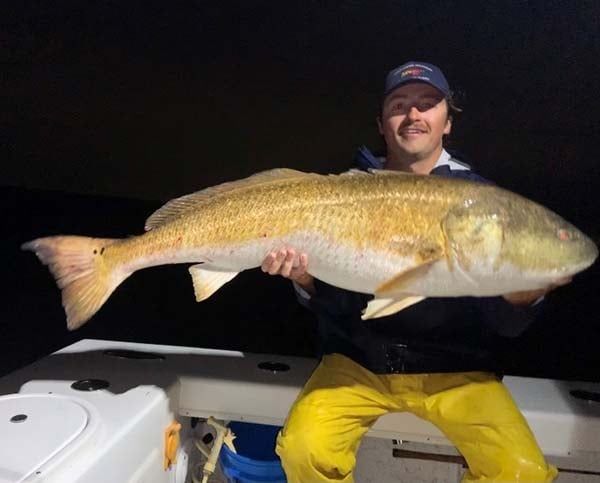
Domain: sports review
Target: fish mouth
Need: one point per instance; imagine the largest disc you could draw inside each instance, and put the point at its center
(590, 252)
(581, 265)
(583, 255)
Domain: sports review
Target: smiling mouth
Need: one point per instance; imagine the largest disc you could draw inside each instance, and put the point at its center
(411, 132)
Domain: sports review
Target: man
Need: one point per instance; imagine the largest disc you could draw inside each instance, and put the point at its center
(431, 359)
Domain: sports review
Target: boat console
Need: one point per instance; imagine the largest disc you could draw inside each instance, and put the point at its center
(100, 411)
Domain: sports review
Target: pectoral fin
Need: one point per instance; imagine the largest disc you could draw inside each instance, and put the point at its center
(401, 282)
(207, 281)
(380, 307)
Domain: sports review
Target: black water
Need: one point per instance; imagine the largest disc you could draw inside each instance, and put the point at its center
(254, 312)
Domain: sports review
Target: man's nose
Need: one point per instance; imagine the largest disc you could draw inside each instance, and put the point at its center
(413, 113)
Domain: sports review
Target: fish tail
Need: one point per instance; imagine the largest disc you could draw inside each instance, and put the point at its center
(82, 272)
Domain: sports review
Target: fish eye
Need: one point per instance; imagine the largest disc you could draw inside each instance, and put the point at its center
(563, 234)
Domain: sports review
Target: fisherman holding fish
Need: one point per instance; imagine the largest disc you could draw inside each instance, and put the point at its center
(442, 255)
(430, 358)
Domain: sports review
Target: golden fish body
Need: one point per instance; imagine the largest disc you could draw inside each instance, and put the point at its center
(401, 237)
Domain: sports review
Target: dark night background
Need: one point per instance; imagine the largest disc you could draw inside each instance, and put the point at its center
(111, 108)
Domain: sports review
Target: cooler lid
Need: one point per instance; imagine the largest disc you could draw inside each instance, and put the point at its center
(34, 428)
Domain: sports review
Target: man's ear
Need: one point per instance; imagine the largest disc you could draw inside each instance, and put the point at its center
(448, 126)
(379, 125)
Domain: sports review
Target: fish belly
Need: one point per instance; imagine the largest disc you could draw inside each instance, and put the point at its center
(481, 280)
(339, 264)
(365, 269)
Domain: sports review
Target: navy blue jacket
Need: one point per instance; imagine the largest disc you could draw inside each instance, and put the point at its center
(435, 335)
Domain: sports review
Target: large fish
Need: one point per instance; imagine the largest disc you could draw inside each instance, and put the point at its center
(401, 237)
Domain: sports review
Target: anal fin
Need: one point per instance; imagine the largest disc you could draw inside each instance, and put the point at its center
(207, 281)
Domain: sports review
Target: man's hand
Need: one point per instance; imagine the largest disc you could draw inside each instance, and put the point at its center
(287, 263)
(530, 296)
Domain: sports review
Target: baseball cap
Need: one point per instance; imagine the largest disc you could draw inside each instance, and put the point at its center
(416, 72)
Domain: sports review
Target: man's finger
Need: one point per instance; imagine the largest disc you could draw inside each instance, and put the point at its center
(267, 262)
(288, 263)
(561, 281)
(280, 255)
(275, 268)
(300, 268)
(303, 265)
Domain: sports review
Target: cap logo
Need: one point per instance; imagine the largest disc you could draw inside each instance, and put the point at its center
(415, 71)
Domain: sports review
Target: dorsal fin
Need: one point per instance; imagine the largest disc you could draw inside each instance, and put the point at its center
(174, 208)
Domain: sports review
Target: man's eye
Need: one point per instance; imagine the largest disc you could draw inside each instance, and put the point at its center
(425, 106)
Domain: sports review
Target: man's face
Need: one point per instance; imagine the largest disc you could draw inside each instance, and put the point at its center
(414, 119)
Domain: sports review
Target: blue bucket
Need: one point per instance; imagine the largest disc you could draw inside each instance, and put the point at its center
(255, 460)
